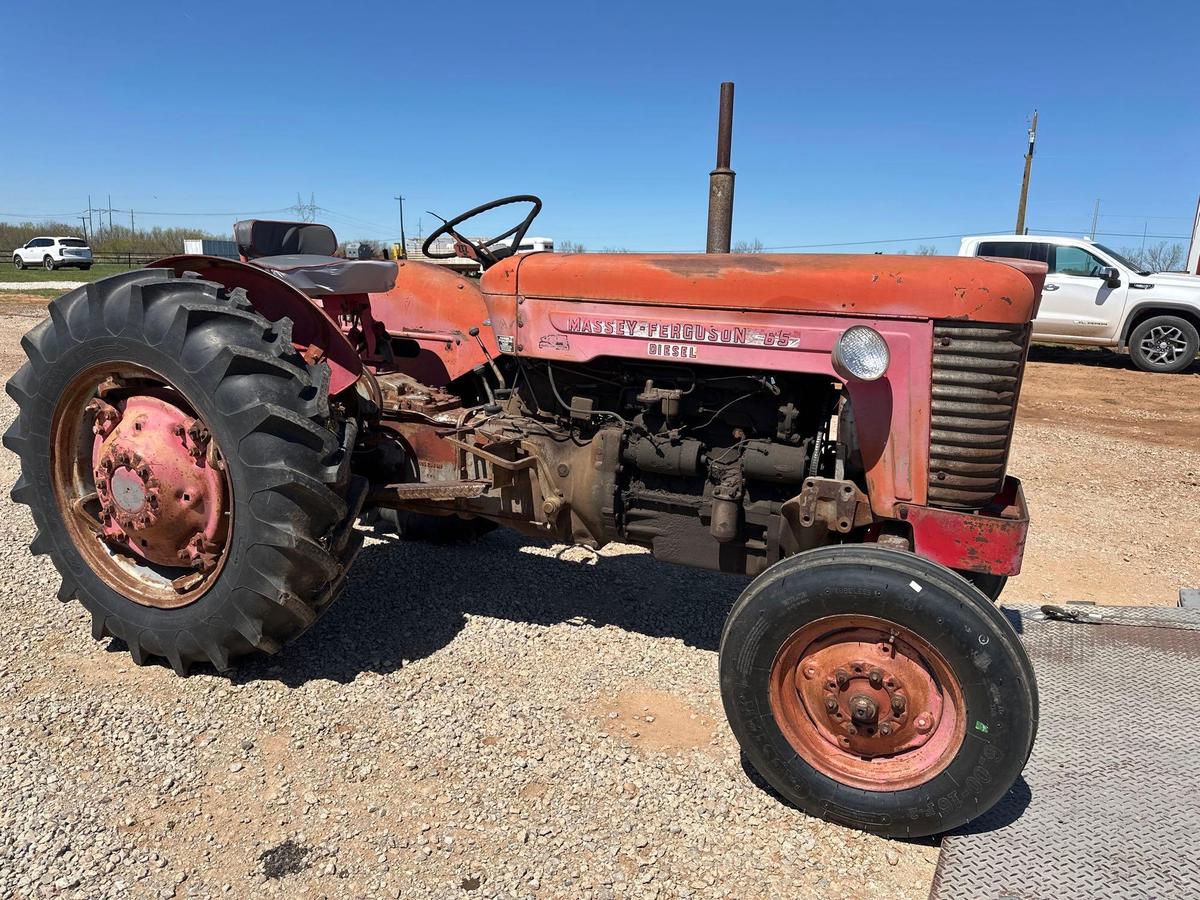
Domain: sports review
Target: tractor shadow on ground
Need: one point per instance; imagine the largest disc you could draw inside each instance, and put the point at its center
(404, 601)
(1096, 357)
(1007, 810)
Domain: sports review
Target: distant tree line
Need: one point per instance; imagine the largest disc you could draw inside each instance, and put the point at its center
(1161, 257)
(117, 239)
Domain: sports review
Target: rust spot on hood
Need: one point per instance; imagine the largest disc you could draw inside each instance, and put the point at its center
(711, 265)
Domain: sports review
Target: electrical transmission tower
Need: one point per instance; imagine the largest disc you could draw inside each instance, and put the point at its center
(305, 212)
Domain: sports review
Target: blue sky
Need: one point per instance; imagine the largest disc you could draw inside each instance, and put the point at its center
(853, 122)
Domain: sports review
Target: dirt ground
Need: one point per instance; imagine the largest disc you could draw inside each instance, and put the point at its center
(537, 722)
(1110, 459)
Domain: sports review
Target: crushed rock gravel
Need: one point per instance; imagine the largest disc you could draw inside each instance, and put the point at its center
(499, 720)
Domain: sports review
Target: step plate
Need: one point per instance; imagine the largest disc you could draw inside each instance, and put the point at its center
(1109, 803)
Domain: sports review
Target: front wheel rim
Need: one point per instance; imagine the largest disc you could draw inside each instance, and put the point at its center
(1164, 345)
(141, 485)
(867, 702)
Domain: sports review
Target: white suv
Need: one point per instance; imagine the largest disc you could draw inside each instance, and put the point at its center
(1095, 296)
(54, 253)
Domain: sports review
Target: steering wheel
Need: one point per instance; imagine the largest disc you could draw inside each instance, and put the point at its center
(483, 252)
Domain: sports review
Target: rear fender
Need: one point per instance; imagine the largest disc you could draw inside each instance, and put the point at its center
(274, 299)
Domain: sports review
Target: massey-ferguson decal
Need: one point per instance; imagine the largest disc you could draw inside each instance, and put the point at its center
(658, 331)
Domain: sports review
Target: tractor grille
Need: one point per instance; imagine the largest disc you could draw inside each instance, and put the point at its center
(976, 380)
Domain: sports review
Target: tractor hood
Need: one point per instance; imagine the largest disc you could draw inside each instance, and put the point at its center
(922, 287)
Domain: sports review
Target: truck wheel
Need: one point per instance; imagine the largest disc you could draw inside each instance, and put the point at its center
(875, 689)
(1164, 344)
(182, 468)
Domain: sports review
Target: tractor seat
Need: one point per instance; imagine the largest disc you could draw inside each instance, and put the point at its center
(319, 276)
(301, 253)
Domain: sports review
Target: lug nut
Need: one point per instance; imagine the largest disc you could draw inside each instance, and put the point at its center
(875, 678)
(923, 723)
(831, 705)
(898, 704)
(885, 729)
(842, 677)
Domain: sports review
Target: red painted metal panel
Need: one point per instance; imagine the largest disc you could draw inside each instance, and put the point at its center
(875, 286)
(990, 541)
(437, 308)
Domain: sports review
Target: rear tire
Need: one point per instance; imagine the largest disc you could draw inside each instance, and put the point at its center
(985, 690)
(49, 264)
(85, 268)
(286, 459)
(1166, 344)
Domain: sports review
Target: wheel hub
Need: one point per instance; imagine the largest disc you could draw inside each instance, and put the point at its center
(865, 697)
(158, 482)
(867, 702)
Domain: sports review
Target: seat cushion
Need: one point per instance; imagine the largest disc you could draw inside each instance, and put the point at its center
(319, 276)
(262, 237)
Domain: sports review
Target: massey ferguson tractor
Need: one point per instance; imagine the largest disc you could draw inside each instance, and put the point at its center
(198, 440)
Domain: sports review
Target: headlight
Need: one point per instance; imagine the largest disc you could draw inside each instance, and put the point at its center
(861, 353)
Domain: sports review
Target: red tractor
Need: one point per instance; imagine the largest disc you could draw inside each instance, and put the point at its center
(199, 438)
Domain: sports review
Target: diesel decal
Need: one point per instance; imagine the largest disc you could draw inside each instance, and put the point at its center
(672, 351)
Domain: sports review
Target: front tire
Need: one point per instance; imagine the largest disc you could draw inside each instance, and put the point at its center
(237, 443)
(1166, 344)
(18, 262)
(875, 689)
(991, 585)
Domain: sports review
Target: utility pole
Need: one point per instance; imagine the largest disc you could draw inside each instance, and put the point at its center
(84, 222)
(1095, 218)
(110, 212)
(403, 243)
(1025, 180)
(91, 227)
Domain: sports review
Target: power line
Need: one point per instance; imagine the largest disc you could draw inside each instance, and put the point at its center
(928, 237)
(257, 212)
(1137, 234)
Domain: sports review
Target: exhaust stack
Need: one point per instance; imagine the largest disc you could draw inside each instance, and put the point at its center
(720, 180)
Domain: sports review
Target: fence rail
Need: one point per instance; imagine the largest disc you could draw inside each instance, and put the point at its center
(117, 259)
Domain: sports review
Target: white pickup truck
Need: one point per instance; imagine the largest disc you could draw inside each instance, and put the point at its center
(1095, 296)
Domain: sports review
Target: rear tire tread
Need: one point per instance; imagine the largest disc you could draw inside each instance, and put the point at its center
(285, 451)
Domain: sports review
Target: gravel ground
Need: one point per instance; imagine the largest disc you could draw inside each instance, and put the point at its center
(506, 720)
(509, 721)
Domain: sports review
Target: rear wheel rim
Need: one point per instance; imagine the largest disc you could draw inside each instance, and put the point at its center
(141, 485)
(1164, 345)
(867, 702)
(49, 263)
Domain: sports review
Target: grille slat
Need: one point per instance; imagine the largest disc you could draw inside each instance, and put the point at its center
(976, 376)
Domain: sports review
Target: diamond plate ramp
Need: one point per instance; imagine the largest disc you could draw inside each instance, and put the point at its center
(1109, 803)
